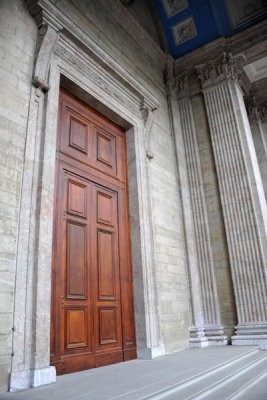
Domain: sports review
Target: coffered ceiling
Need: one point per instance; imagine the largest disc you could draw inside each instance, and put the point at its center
(189, 24)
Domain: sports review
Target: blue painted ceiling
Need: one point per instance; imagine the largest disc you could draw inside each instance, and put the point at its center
(189, 24)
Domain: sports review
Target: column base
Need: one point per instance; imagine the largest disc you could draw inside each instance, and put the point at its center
(215, 335)
(218, 340)
(44, 376)
(250, 334)
(21, 380)
(198, 338)
(150, 352)
(250, 340)
(198, 343)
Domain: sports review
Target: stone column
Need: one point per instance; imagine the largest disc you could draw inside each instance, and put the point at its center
(211, 309)
(258, 118)
(197, 331)
(243, 201)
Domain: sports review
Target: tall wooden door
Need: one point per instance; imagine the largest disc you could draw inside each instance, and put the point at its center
(92, 300)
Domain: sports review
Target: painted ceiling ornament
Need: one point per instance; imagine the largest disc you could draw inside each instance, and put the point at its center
(173, 7)
(184, 31)
(225, 66)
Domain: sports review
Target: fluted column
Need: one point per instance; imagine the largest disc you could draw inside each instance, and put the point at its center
(198, 337)
(258, 123)
(242, 196)
(211, 310)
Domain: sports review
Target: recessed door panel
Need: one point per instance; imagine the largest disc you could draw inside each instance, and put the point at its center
(106, 265)
(108, 333)
(76, 327)
(77, 198)
(76, 263)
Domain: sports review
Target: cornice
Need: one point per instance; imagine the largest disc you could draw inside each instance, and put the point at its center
(46, 12)
(251, 42)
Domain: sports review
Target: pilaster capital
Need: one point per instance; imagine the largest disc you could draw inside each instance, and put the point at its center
(221, 68)
(182, 86)
(256, 111)
(253, 108)
(263, 113)
(169, 77)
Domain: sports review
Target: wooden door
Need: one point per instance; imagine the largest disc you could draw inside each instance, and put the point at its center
(92, 320)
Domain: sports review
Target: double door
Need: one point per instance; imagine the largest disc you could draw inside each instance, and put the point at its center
(92, 301)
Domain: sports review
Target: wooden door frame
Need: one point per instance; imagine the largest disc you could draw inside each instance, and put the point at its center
(58, 58)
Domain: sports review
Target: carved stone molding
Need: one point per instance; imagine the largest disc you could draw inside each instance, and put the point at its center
(225, 66)
(263, 113)
(148, 116)
(256, 111)
(182, 85)
(51, 14)
(169, 77)
(48, 29)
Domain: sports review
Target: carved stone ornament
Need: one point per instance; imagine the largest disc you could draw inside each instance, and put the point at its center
(256, 111)
(182, 85)
(225, 66)
(169, 76)
(148, 119)
(263, 113)
(48, 30)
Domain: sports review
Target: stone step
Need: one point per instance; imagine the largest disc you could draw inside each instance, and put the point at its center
(256, 388)
(235, 382)
(200, 386)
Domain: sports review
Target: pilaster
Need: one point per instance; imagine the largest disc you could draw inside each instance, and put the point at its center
(243, 202)
(198, 337)
(211, 309)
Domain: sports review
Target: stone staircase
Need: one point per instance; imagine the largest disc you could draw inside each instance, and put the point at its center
(241, 378)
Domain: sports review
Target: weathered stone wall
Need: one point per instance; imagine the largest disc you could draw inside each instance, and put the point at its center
(169, 240)
(17, 46)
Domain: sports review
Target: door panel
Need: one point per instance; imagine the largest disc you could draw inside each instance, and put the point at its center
(90, 324)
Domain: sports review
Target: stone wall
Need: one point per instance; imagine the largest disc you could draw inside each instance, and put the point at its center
(144, 62)
(17, 46)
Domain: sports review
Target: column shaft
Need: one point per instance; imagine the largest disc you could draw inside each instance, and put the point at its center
(242, 196)
(211, 310)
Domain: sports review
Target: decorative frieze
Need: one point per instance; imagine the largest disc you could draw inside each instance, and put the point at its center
(211, 311)
(243, 203)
